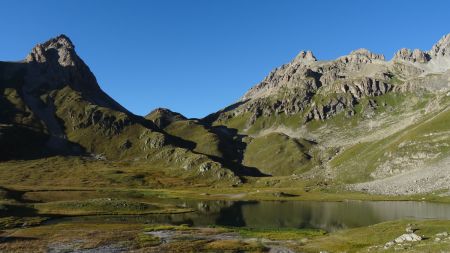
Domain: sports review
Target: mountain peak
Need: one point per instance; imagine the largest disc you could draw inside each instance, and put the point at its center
(163, 117)
(59, 49)
(305, 56)
(361, 55)
(60, 41)
(415, 55)
(365, 52)
(442, 47)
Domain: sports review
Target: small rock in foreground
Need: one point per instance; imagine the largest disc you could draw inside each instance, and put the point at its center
(411, 237)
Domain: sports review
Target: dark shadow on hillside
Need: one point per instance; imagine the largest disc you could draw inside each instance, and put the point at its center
(233, 147)
(24, 138)
(177, 141)
(8, 239)
(239, 169)
(13, 194)
(17, 211)
(208, 120)
(22, 142)
(231, 160)
(231, 143)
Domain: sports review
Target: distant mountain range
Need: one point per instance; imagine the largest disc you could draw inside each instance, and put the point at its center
(359, 121)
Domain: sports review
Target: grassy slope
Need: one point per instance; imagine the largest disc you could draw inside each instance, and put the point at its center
(90, 128)
(273, 154)
(374, 237)
(205, 141)
(86, 172)
(278, 154)
(429, 135)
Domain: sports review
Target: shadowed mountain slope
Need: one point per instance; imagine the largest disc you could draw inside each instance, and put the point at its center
(54, 106)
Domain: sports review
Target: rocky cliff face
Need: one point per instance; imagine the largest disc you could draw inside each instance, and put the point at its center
(441, 48)
(318, 90)
(412, 56)
(53, 67)
(55, 64)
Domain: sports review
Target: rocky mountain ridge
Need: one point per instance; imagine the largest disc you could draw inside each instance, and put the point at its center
(303, 85)
(351, 122)
(356, 101)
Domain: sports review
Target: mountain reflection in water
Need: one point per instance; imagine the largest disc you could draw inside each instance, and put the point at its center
(330, 216)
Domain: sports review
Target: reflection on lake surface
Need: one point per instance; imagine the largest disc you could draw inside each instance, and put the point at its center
(329, 216)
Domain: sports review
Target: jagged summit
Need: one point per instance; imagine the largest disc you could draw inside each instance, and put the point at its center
(305, 56)
(319, 90)
(53, 79)
(55, 64)
(61, 40)
(442, 47)
(307, 73)
(361, 55)
(421, 63)
(409, 55)
(59, 49)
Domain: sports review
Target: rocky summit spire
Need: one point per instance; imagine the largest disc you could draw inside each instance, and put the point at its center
(361, 55)
(305, 56)
(54, 65)
(442, 47)
(409, 55)
(59, 49)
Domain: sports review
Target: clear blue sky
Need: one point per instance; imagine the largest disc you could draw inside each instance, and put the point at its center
(198, 56)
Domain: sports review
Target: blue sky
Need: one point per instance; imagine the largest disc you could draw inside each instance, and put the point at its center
(198, 56)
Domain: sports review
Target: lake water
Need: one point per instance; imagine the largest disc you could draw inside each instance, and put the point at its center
(330, 216)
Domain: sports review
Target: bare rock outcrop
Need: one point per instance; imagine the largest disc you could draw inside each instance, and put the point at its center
(339, 85)
(413, 56)
(442, 47)
(305, 56)
(60, 49)
(361, 55)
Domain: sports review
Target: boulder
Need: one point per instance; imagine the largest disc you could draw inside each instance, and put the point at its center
(409, 237)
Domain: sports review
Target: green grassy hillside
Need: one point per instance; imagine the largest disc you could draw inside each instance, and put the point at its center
(277, 154)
